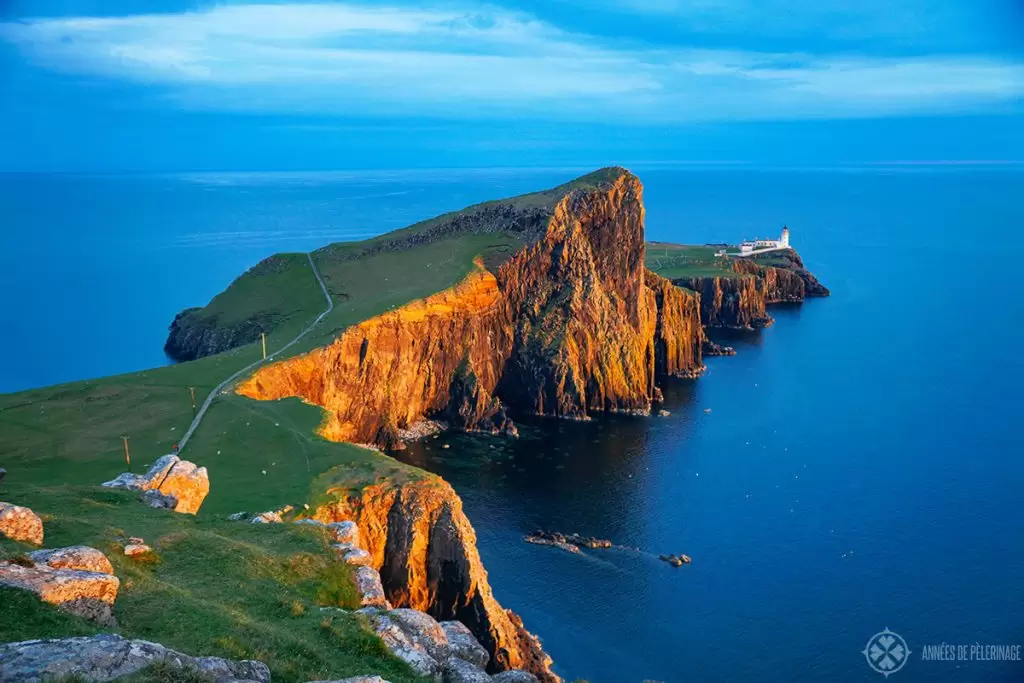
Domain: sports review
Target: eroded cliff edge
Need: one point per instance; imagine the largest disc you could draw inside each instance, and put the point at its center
(739, 299)
(571, 325)
(425, 550)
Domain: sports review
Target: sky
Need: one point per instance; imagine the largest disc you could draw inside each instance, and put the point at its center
(129, 85)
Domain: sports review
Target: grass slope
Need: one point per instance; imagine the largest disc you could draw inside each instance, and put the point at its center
(682, 260)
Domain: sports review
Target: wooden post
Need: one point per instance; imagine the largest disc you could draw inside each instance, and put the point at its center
(263, 336)
(192, 391)
(127, 455)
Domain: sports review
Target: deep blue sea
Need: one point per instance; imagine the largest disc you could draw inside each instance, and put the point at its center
(861, 467)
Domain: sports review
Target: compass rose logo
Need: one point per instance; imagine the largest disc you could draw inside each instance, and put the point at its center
(886, 652)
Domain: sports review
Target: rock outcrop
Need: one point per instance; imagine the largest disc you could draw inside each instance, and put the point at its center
(109, 657)
(20, 524)
(74, 557)
(425, 551)
(738, 299)
(531, 337)
(89, 593)
(177, 480)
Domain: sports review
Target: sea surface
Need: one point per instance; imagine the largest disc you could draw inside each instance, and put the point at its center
(858, 466)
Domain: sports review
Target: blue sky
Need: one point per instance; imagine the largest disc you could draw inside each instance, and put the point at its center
(174, 85)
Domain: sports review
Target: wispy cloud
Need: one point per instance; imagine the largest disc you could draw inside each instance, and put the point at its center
(352, 59)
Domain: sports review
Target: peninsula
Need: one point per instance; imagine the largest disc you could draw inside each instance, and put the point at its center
(546, 304)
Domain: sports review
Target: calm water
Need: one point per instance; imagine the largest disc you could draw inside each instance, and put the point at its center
(860, 468)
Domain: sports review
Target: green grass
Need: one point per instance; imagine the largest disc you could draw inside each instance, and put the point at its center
(679, 260)
(220, 588)
(279, 291)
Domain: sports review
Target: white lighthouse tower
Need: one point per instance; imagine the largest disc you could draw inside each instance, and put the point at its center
(784, 240)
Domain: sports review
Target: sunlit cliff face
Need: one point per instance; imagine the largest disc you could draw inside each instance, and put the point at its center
(569, 326)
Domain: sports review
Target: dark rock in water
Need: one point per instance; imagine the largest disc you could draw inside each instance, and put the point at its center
(675, 560)
(710, 348)
(570, 542)
(3, 473)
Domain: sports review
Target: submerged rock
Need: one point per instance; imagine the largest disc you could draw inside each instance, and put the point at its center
(109, 657)
(20, 524)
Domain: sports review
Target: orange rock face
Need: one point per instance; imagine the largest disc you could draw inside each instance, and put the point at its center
(569, 326)
(425, 550)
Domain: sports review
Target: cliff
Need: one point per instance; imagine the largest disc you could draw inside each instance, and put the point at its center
(738, 299)
(425, 550)
(532, 337)
(279, 293)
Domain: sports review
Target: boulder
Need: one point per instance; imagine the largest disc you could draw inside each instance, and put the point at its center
(155, 499)
(371, 590)
(87, 594)
(74, 557)
(345, 532)
(464, 645)
(456, 670)
(400, 645)
(514, 676)
(20, 524)
(108, 657)
(136, 549)
(357, 557)
(272, 516)
(238, 516)
(423, 630)
(185, 481)
(356, 679)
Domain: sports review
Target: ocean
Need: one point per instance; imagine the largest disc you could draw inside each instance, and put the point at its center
(859, 470)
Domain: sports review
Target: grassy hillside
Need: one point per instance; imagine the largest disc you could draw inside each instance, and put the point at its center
(681, 260)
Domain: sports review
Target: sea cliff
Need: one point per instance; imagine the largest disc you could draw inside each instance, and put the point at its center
(532, 337)
(738, 299)
(425, 550)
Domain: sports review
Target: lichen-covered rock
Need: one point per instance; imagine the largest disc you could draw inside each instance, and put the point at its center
(345, 531)
(155, 499)
(272, 516)
(74, 557)
(457, 670)
(20, 524)
(401, 645)
(171, 476)
(109, 657)
(370, 588)
(514, 676)
(357, 557)
(136, 549)
(87, 594)
(463, 645)
(423, 630)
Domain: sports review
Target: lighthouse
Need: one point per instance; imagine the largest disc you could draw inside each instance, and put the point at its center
(784, 240)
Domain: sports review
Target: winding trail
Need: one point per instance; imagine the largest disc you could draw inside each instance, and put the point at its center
(220, 387)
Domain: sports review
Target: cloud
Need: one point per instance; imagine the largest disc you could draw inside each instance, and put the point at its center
(480, 63)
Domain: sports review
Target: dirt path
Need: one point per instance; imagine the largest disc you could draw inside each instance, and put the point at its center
(220, 387)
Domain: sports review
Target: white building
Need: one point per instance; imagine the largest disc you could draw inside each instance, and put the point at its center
(748, 247)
